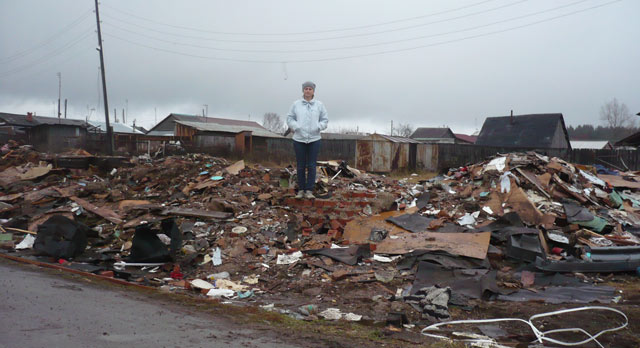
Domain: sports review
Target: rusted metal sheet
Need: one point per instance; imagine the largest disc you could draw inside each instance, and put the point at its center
(364, 153)
(400, 156)
(381, 157)
(427, 157)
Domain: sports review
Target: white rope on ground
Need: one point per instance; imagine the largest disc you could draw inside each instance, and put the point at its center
(541, 335)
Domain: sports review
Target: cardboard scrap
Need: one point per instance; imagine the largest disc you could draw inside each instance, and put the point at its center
(473, 245)
(521, 204)
(235, 168)
(36, 172)
(619, 181)
(359, 230)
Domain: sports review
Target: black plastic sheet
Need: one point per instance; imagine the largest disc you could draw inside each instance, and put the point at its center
(61, 237)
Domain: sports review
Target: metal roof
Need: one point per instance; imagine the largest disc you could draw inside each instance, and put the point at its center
(21, 120)
(117, 127)
(432, 133)
(167, 122)
(590, 144)
(235, 129)
(468, 138)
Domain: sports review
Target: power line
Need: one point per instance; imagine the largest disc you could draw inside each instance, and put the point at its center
(47, 57)
(321, 39)
(300, 33)
(373, 53)
(67, 58)
(356, 46)
(48, 40)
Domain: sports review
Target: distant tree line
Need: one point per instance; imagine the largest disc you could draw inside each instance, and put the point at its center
(620, 123)
(589, 132)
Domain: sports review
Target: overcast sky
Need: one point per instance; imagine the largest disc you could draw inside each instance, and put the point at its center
(426, 63)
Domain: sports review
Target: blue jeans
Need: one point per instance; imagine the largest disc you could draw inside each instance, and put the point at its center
(306, 157)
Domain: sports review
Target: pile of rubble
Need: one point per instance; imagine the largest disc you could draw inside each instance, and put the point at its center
(516, 227)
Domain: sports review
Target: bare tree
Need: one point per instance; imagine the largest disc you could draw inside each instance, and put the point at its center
(403, 130)
(616, 114)
(273, 122)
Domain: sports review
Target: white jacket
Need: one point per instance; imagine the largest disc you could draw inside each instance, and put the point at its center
(307, 119)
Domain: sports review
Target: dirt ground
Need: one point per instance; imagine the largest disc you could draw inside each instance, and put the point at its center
(374, 333)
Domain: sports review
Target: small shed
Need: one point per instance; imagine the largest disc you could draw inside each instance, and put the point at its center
(167, 126)
(224, 139)
(58, 137)
(434, 135)
(46, 134)
(383, 153)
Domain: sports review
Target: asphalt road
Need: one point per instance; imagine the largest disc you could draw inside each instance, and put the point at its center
(41, 309)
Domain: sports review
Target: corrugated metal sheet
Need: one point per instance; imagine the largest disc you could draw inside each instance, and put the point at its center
(427, 157)
(383, 154)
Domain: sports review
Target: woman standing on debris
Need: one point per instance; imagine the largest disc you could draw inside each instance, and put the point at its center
(306, 118)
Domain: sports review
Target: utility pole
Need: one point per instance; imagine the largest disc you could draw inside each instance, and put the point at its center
(115, 115)
(65, 108)
(104, 85)
(391, 128)
(59, 91)
(206, 106)
(123, 119)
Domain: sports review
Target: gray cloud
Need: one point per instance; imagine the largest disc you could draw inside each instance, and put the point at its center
(571, 64)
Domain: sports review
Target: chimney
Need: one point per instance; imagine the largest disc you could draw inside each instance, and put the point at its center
(511, 120)
(29, 117)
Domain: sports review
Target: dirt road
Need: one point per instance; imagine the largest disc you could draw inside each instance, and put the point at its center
(40, 309)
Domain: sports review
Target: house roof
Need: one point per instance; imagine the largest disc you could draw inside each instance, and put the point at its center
(589, 144)
(117, 127)
(432, 133)
(391, 138)
(632, 140)
(215, 127)
(21, 120)
(468, 138)
(202, 119)
(534, 130)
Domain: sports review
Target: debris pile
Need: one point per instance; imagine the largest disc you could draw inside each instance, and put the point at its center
(513, 228)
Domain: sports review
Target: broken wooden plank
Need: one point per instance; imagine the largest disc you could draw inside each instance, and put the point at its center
(199, 213)
(128, 203)
(105, 213)
(570, 190)
(473, 245)
(533, 180)
(19, 230)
